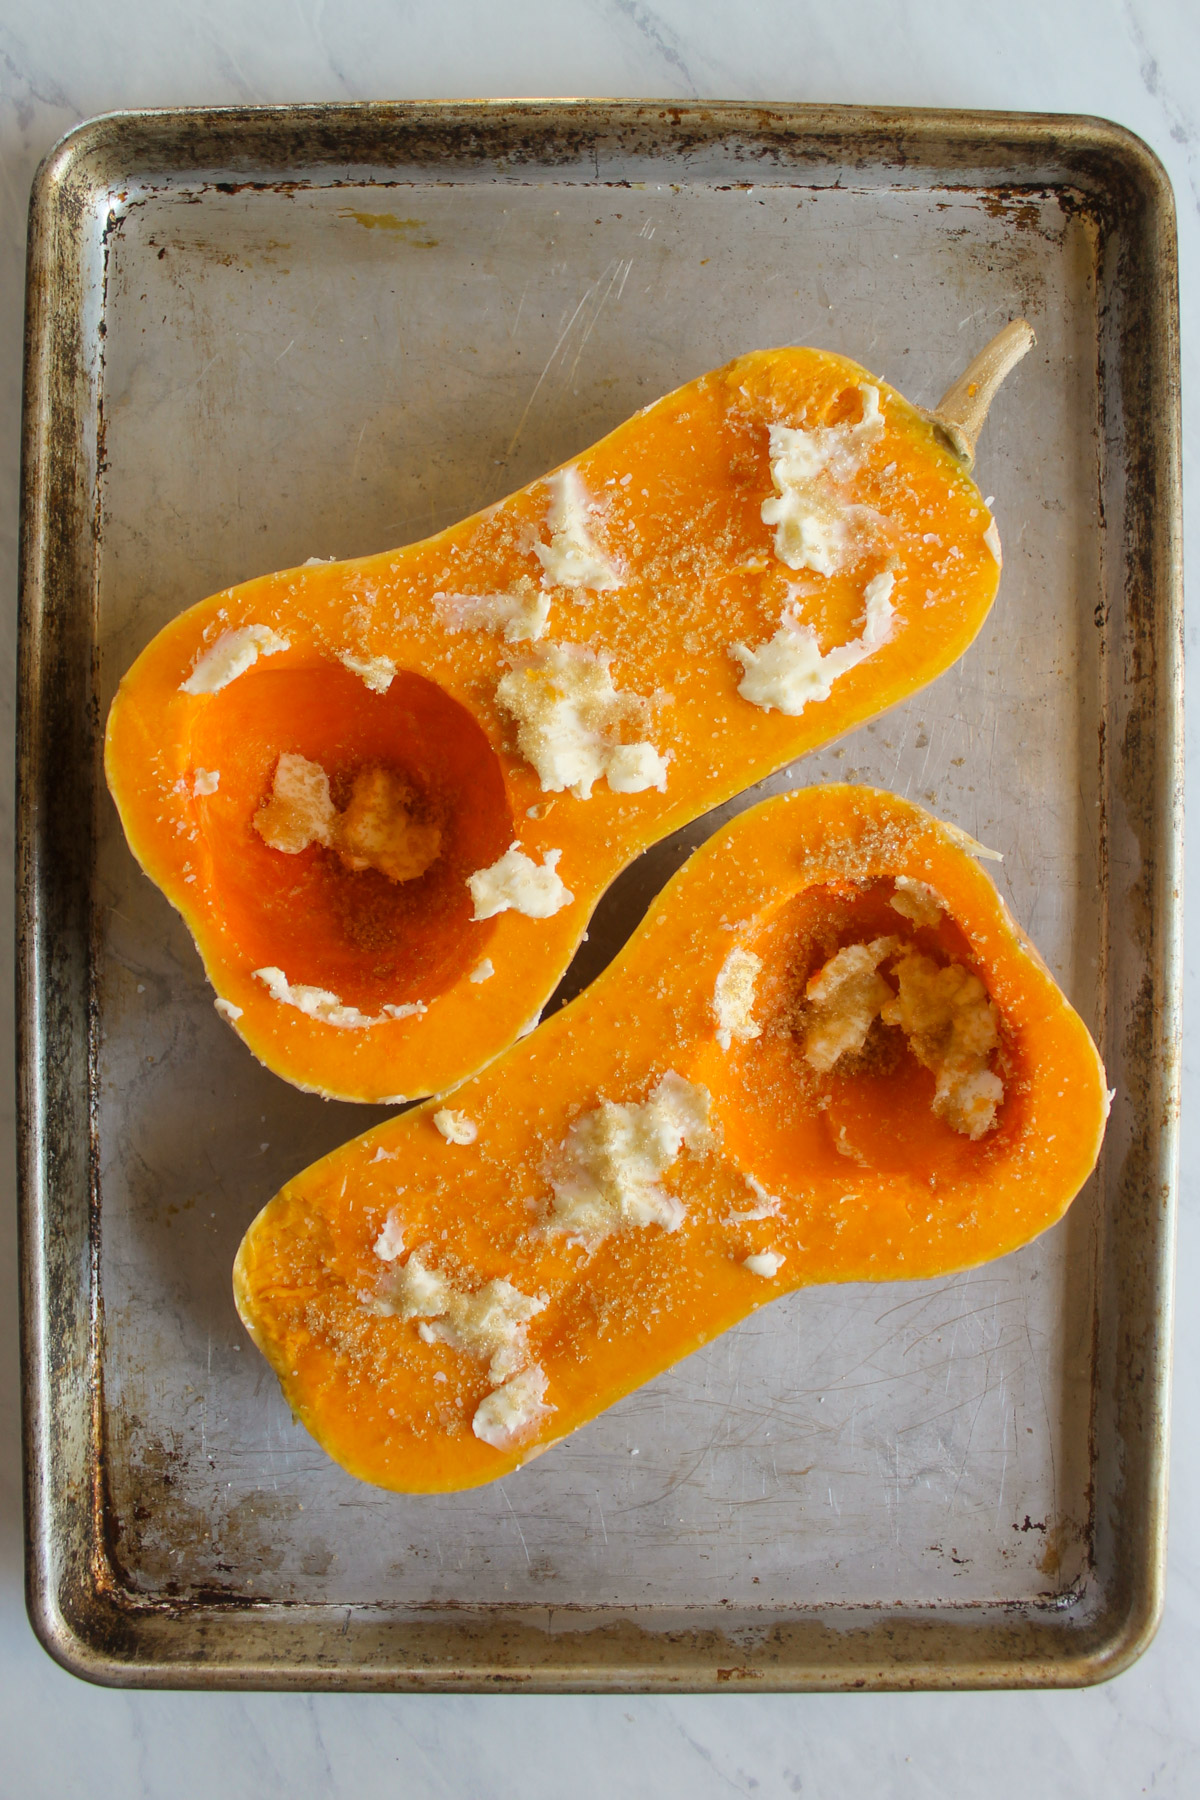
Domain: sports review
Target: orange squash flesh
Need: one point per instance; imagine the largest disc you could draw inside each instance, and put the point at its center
(870, 1185)
(676, 496)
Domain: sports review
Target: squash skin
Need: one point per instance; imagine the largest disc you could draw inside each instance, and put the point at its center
(702, 575)
(364, 1385)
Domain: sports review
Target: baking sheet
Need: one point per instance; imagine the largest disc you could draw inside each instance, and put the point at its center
(257, 337)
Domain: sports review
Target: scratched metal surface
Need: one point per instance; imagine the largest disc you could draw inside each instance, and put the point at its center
(317, 369)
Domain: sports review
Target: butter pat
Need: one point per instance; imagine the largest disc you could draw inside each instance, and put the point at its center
(808, 469)
(766, 1205)
(378, 829)
(520, 615)
(571, 559)
(952, 1028)
(917, 901)
(455, 1127)
(766, 1263)
(378, 672)
(230, 656)
(847, 996)
(328, 1008)
(568, 714)
(510, 1414)
(516, 883)
(390, 1243)
(313, 1002)
(615, 1156)
(488, 1323)
(733, 998)
(300, 811)
(944, 1011)
(789, 671)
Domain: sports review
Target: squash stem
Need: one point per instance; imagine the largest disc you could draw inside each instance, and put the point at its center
(962, 409)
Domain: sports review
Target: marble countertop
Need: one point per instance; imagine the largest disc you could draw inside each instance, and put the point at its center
(1134, 61)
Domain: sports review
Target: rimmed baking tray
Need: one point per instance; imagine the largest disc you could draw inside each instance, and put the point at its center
(260, 335)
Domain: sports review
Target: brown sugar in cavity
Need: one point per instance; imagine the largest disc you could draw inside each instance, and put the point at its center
(379, 828)
(371, 818)
(850, 913)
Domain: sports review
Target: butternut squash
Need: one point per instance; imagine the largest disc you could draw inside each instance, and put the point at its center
(827, 1055)
(386, 794)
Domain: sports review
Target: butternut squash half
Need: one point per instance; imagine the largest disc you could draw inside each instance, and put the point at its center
(386, 794)
(828, 1054)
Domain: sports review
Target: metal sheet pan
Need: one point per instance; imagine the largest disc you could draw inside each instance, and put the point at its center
(256, 336)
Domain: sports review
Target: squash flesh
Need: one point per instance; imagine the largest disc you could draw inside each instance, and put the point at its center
(912, 1199)
(678, 493)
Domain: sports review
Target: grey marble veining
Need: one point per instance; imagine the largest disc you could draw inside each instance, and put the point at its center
(1138, 63)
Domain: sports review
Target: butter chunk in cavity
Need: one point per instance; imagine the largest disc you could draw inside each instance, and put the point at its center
(230, 656)
(513, 1411)
(733, 998)
(572, 559)
(376, 831)
(300, 811)
(568, 715)
(378, 672)
(455, 1127)
(944, 1011)
(952, 1027)
(328, 1008)
(766, 1263)
(810, 469)
(789, 670)
(520, 614)
(515, 883)
(205, 781)
(483, 971)
(488, 1323)
(846, 997)
(613, 1159)
(917, 901)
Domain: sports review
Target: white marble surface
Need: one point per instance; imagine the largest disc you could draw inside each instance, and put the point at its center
(1137, 62)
